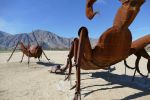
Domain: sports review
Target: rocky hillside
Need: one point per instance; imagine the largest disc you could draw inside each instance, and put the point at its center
(148, 48)
(46, 39)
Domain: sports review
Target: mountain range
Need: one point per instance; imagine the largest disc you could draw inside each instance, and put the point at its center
(46, 39)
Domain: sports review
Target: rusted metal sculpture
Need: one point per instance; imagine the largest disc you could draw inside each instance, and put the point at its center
(89, 9)
(139, 51)
(108, 50)
(30, 51)
(136, 68)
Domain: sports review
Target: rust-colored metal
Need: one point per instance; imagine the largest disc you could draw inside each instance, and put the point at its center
(89, 9)
(30, 51)
(136, 68)
(138, 49)
(113, 46)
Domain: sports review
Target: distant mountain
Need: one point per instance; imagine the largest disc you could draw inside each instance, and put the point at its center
(46, 39)
(4, 34)
(148, 48)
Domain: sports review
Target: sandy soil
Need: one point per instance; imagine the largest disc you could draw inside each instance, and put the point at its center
(20, 82)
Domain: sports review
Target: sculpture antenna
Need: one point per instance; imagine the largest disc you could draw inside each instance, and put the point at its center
(19, 39)
(28, 40)
(35, 38)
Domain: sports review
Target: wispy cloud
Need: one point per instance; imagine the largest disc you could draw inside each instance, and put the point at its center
(2, 23)
(10, 26)
(6, 26)
(144, 28)
(139, 32)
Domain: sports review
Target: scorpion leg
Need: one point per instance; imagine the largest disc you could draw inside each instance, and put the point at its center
(84, 50)
(72, 53)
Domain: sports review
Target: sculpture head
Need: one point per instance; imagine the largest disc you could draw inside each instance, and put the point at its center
(90, 2)
(89, 9)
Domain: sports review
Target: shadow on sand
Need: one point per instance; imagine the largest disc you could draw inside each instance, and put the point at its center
(48, 64)
(122, 81)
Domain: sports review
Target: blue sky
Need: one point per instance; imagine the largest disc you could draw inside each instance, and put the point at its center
(65, 17)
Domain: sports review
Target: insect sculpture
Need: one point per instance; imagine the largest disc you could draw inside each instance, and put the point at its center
(139, 52)
(136, 68)
(30, 51)
(108, 50)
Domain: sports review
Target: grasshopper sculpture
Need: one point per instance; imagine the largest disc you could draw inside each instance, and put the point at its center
(30, 51)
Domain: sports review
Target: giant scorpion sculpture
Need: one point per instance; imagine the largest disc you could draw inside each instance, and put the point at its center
(108, 50)
(30, 51)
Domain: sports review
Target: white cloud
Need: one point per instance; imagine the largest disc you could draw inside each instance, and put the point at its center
(2, 23)
(144, 28)
(8, 26)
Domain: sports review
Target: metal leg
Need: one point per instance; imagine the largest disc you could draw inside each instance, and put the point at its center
(134, 75)
(125, 66)
(74, 86)
(146, 78)
(13, 52)
(70, 69)
(83, 42)
(28, 58)
(39, 59)
(73, 52)
(77, 93)
(137, 67)
(109, 68)
(22, 58)
(46, 56)
(148, 69)
(65, 68)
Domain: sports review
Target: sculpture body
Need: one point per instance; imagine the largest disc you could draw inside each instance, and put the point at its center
(31, 51)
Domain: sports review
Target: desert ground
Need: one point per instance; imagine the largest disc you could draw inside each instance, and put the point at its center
(20, 82)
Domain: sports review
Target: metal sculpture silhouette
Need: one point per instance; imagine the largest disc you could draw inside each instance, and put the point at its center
(30, 51)
(136, 68)
(139, 51)
(114, 45)
(89, 9)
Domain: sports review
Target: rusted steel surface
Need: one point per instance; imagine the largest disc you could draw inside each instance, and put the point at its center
(113, 46)
(31, 51)
(89, 9)
(141, 43)
(140, 53)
